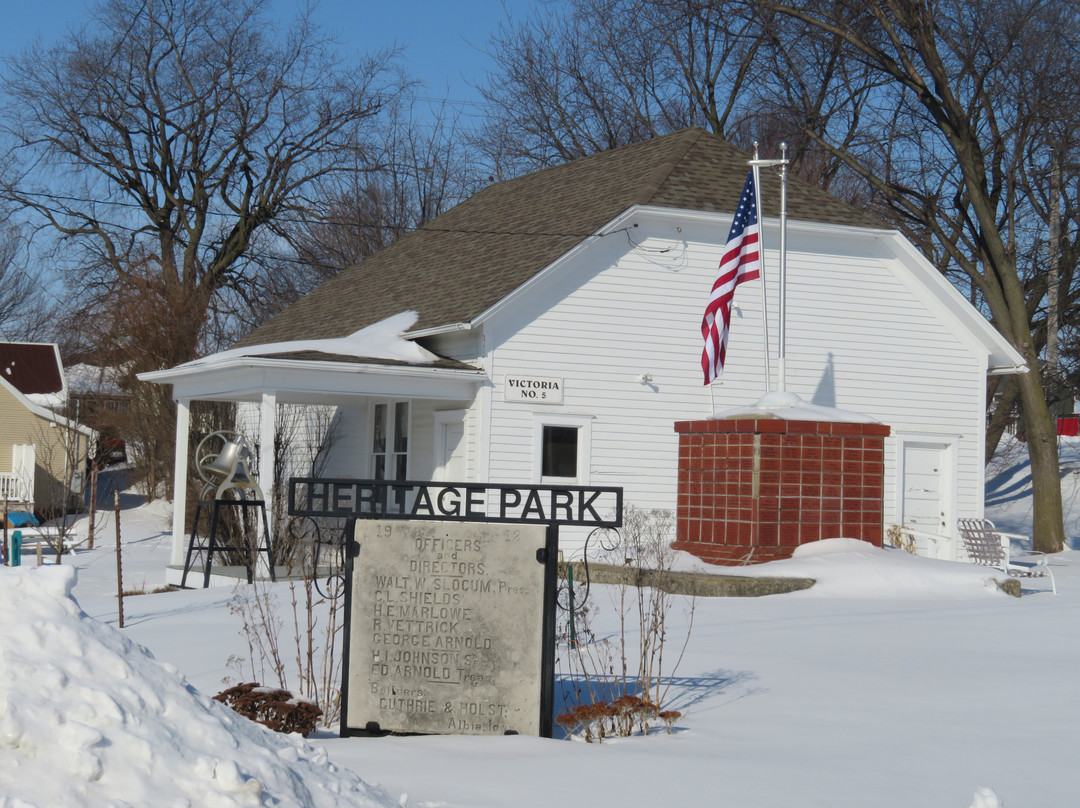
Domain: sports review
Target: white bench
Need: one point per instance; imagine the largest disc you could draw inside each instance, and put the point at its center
(988, 546)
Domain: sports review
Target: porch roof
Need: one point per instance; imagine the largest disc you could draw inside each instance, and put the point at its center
(311, 377)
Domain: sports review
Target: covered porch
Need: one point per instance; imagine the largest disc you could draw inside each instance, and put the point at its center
(405, 402)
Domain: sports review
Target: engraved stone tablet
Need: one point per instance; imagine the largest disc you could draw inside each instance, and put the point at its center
(446, 628)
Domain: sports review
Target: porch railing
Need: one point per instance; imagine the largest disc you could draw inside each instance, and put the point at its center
(12, 488)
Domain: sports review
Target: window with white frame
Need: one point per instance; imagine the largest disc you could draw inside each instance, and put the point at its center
(390, 440)
(562, 449)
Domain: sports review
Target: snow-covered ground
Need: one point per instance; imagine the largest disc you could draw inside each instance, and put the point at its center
(88, 717)
(894, 682)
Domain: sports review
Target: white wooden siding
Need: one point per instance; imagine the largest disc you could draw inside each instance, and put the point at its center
(351, 453)
(349, 456)
(618, 311)
(302, 426)
(422, 440)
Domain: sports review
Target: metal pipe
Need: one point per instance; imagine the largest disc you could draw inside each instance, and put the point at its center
(761, 259)
(756, 163)
(119, 563)
(781, 365)
(570, 588)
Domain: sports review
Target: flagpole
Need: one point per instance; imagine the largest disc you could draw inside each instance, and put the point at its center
(754, 166)
(781, 348)
(781, 363)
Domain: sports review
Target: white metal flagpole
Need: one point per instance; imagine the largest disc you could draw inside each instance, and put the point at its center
(781, 352)
(755, 167)
(781, 360)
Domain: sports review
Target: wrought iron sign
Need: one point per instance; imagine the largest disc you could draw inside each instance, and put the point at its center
(589, 506)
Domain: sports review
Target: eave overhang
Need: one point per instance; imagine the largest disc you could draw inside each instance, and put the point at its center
(307, 381)
(45, 413)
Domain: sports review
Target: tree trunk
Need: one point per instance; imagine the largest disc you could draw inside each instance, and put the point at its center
(1053, 309)
(1001, 414)
(1048, 530)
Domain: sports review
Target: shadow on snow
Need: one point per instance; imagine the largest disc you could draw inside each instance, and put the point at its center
(684, 693)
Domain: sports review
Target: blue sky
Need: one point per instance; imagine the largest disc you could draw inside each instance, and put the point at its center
(443, 42)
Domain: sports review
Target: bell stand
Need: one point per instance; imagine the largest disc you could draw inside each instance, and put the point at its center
(211, 546)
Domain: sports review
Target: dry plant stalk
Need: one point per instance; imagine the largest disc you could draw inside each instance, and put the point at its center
(648, 548)
(636, 696)
(316, 648)
(256, 606)
(903, 541)
(591, 662)
(316, 630)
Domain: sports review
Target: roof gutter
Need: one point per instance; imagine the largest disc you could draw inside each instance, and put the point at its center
(171, 375)
(1008, 370)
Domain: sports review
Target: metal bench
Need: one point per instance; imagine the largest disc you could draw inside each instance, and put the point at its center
(988, 546)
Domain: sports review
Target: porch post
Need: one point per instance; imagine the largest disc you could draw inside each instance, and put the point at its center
(267, 428)
(180, 470)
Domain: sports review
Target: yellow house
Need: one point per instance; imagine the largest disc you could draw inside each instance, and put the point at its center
(43, 453)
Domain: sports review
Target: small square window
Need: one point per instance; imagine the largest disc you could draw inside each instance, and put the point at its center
(560, 451)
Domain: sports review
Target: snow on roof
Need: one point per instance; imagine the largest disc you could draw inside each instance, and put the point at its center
(83, 378)
(789, 407)
(89, 718)
(381, 340)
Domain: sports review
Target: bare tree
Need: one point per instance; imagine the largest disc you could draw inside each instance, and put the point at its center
(62, 448)
(175, 132)
(598, 74)
(26, 313)
(422, 167)
(603, 73)
(943, 138)
(128, 324)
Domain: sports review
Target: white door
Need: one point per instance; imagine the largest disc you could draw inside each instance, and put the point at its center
(927, 494)
(449, 446)
(23, 463)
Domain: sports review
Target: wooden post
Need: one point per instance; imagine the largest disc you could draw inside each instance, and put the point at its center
(93, 502)
(119, 562)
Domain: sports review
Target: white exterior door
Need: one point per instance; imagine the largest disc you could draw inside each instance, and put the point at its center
(23, 465)
(449, 446)
(928, 494)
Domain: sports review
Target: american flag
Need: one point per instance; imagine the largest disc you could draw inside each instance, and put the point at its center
(741, 262)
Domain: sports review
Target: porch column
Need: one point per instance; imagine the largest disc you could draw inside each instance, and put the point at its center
(180, 471)
(267, 428)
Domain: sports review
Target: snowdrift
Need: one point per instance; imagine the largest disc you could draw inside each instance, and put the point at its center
(89, 718)
(850, 568)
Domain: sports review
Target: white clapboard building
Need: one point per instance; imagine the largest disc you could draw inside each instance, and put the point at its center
(557, 338)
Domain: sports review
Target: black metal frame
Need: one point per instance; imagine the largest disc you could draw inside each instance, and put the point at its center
(323, 545)
(251, 555)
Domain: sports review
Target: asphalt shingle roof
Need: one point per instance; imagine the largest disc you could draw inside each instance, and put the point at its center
(477, 253)
(31, 367)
